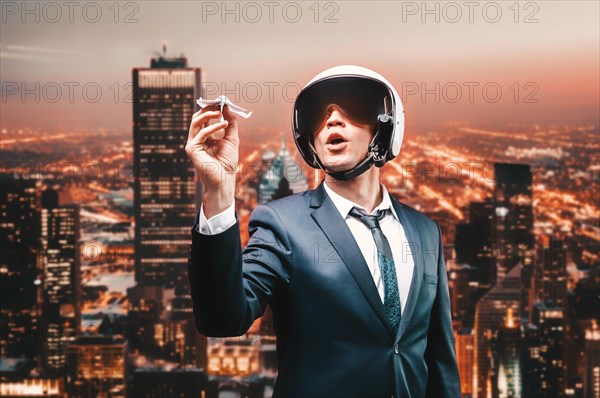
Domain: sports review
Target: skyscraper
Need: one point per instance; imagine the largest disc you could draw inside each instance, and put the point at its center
(283, 167)
(465, 359)
(506, 353)
(490, 315)
(460, 293)
(551, 271)
(514, 224)
(475, 247)
(531, 360)
(20, 282)
(61, 313)
(591, 355)
(165, 189)
(482, 221)
(550, 321)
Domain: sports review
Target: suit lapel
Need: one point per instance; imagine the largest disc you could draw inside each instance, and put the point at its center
(413, 236)
(327, 216)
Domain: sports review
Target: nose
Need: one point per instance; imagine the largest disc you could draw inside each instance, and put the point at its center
(335, 117)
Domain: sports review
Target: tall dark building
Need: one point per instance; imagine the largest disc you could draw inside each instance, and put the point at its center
(20, 281)
(490, 314)
(60, 258)
(165, 188)
(475, 245)
(514, 224)
(548, 358)
(465, 345)
(482, 221)
(147, 305)
(591, 362)
(531, 361)
(460, 294)
(551, 271)
(506, 358)
(187, 346)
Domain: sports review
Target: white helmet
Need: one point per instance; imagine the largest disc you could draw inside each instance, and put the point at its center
(363, 96)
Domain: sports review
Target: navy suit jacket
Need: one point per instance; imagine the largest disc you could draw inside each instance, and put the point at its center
(333, 338)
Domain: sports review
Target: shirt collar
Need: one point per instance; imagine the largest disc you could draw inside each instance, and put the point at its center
(345, 205)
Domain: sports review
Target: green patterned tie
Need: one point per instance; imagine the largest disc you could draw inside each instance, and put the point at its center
(391, 300)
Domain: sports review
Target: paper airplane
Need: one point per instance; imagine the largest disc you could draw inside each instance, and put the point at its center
(222, 100)
(233, 108)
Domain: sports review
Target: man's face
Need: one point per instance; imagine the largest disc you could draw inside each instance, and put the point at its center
(340, 143)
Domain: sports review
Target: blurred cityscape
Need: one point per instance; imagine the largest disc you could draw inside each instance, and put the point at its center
(96, 227)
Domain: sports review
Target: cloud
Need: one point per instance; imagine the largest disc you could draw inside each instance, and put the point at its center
(29, 53)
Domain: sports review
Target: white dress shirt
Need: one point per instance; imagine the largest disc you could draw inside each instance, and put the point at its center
(390, 225)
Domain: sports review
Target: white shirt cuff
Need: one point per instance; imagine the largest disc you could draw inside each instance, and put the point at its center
(217, 223)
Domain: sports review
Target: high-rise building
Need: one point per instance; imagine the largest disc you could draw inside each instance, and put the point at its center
(60, 262)
(165, 187)
(482, 221)
(490, 315)
(147, 305)
(465, 345)
(282, 167)
(181, 336)
(514, 224)
(550, 322)
(544, 365)
(460, 291)
(475, 248)
(551, 272)
(20, 281)
(531, 360)
(96, 367)
(506, 357)
(591, 359)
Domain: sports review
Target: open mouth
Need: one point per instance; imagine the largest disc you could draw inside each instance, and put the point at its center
(335, 139)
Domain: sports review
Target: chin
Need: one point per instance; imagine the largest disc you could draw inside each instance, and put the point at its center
(340, 165)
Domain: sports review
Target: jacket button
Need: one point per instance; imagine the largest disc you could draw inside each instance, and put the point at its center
(396, 350)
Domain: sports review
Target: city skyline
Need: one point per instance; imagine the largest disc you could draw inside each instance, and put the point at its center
(96, 211)
(426, 177)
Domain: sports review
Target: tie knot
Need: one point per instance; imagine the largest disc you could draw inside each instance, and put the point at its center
(371, 221)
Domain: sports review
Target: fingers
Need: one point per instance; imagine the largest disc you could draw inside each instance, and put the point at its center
(200, 118)
(206, 132)
(207, 108)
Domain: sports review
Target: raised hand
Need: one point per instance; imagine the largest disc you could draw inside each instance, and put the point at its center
(215, 160)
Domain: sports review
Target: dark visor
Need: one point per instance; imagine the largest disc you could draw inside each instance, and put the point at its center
(360, 99)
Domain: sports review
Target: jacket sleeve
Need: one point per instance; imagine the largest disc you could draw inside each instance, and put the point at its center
(440, 355)
(231, 287)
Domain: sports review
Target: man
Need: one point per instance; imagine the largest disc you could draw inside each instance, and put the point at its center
(356, 280)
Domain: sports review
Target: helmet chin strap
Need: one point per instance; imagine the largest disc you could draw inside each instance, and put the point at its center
(355, 171)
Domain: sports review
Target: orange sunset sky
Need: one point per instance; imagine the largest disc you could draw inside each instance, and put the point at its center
(547, 52)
